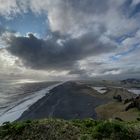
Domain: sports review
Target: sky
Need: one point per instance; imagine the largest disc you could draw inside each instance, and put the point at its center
(70, 39)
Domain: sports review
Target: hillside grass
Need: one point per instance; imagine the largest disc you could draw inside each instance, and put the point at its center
(117, 110)
(56, 129)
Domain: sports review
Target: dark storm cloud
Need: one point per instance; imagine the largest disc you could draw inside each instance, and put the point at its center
(57, 52)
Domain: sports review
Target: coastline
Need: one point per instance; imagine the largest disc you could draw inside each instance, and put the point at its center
(16, 111)
(67, 101)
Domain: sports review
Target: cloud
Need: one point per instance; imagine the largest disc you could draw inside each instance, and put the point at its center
(51, 54)
(8, 8)
(135, 2)
(75, 17)
(8, 61)
(83, 36)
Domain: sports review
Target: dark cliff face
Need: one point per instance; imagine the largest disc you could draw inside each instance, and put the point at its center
(70, 100)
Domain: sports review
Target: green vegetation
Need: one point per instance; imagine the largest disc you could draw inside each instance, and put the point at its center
(56, 129)
(117, 109)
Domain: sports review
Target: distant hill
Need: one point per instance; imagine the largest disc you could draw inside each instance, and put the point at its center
(131, 81)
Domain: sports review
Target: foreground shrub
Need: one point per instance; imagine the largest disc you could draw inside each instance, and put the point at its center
(55, 129)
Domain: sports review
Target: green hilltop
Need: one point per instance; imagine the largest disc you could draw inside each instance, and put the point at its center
(56, 129)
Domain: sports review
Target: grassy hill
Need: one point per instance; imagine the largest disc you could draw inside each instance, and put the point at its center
(56, 129)
(116, 109)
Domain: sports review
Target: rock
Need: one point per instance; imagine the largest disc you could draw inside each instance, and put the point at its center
(138, 119)
(137, 102)
(131, 105)
(128, 100)
(118, 98)
(119, 119)
(134, 103)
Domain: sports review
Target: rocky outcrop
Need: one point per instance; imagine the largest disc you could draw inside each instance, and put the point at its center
(128, 100)
(133, 103)
(118, 98)
(137, 102)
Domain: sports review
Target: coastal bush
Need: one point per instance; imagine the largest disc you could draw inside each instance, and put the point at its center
(56, 129)
(112, 130)
(9, 129)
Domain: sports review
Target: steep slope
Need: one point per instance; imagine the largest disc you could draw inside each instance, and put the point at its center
(71, 100)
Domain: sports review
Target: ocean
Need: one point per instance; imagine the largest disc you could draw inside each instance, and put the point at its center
(18, 96)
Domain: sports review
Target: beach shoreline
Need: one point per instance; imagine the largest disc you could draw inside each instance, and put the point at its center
(16, 111)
